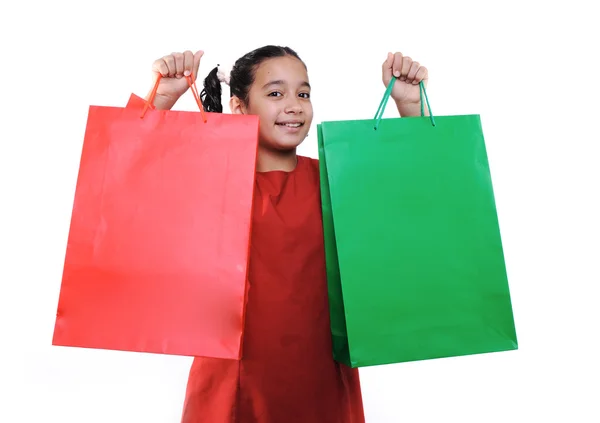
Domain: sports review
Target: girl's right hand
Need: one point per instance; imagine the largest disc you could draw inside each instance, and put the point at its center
(174, 68)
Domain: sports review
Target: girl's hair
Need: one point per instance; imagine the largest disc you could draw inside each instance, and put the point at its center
(242, 76)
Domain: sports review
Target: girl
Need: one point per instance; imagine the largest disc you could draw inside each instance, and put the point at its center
(287, 374)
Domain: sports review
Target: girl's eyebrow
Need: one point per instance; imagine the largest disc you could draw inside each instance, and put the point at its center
(282, 82)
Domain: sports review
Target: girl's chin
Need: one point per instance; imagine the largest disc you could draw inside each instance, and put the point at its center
(284, 143)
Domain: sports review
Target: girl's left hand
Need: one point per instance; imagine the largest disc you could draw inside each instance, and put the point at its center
(408, 73)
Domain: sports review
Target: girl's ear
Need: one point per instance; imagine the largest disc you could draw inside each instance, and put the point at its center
(236, 106)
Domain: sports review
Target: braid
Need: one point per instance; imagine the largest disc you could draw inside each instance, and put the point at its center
(211, 93)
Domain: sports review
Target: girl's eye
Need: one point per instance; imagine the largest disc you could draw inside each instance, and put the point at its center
(305, 95)
(275, 94)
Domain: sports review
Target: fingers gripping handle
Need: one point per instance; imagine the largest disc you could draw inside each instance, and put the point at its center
(193, 87)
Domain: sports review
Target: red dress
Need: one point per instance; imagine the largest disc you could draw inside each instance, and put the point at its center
(287, 374)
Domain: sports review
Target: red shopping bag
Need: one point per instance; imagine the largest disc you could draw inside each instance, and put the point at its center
(157, 252)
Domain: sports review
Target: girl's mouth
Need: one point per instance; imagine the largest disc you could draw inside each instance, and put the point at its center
(291, 124)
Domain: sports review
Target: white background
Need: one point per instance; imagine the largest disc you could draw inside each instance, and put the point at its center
(528, 69)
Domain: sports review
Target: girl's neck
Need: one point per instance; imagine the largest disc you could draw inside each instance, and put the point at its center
(271, 160)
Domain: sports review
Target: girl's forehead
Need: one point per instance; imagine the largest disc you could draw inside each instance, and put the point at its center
(285, 68)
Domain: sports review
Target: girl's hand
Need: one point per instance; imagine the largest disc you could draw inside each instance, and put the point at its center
(174, 68)
(408, 73)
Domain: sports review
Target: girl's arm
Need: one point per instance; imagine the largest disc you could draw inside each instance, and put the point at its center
(410, 109)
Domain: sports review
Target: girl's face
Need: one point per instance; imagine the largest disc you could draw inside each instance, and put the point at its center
(280, 96)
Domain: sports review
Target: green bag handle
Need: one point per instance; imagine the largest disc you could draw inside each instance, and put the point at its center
(387, 95)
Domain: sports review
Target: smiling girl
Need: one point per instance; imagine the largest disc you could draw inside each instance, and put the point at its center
(287, 374)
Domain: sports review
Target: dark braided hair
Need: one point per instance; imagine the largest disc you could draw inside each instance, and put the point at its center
(242, 76)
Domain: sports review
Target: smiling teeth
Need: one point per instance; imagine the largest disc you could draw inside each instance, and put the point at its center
(291, 125)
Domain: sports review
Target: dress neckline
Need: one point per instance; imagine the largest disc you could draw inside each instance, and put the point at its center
(299, 162)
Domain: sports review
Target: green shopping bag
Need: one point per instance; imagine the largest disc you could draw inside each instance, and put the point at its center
(415, 263)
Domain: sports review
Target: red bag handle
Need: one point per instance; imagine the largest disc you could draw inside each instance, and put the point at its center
(193, 87)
